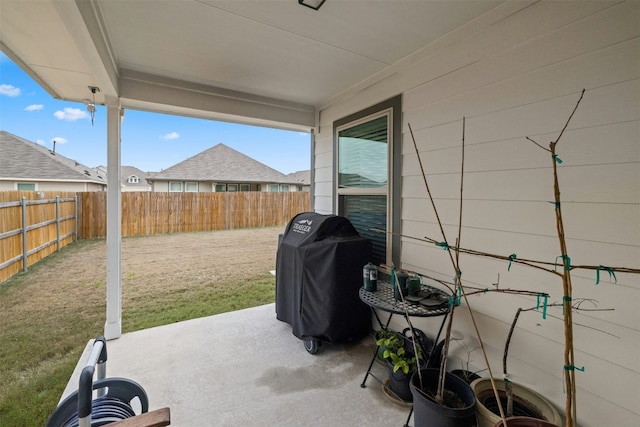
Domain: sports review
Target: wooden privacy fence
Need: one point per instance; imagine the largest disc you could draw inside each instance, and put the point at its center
(32, 226)
(146, 213)
(35, 224)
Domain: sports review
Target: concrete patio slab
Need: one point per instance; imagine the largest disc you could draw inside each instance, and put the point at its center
(246, 368)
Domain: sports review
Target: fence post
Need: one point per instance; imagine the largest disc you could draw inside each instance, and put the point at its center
(24, 234)
(75, 203)
(57, 223)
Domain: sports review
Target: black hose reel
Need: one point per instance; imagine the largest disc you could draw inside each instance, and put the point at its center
(114, 401)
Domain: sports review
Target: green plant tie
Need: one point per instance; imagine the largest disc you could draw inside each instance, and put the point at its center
(443, 245)
(545, 299)
(557, 159)
(565, 260)
(565, 298)
(608, 270)
(511, 258)
(454, 300)
(557, 205)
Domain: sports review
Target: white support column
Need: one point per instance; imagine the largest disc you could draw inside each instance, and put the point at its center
(113, 325)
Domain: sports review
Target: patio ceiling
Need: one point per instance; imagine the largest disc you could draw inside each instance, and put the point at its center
(271, 62)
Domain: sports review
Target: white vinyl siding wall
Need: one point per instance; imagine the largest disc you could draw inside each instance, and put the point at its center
(518, 71)
(55, 186)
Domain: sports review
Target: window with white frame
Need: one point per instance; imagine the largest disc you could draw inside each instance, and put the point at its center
(245, 187)
(191, 187)
(273, 188)
(284, 187)
(133, 179)
(26, 186)
(221, 188)
(368, 152)
(175, 187)
(232, 187)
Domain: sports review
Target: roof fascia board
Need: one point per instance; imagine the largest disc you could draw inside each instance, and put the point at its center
(35, 77)
(161, 94)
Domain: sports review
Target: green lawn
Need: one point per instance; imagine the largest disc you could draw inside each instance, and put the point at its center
(48, 314)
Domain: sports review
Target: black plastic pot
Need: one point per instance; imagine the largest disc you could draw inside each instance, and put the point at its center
(428, 412)
(399, 383)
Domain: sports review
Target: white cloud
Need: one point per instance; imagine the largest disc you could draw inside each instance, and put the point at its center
(58, 140)
(34, 107)
(172, 135)
(9, 90)
(40, 142)
(71, 114)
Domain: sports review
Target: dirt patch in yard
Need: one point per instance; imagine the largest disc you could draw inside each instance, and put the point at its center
(153, 267)
(192, 260)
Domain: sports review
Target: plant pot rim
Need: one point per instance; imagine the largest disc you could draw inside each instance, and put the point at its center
(448, 377)
(535, 399)
(525, 422)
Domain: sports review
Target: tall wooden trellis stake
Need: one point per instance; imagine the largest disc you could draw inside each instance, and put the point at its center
(569, 366)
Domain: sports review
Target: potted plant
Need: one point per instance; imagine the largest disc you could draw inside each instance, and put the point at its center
(384, 338)
(402, 360)
(516, 400)
(526, 402)
(457, 407)
(441, 398)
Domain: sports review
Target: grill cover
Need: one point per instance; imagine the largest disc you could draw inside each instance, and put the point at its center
(318, 275)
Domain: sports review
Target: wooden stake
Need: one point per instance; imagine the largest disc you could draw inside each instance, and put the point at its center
(458, 282)
(569, 366)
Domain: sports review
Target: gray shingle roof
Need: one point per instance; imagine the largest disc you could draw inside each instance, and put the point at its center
(302, 177)
(25, 160)
(221, 163)
(127, 171)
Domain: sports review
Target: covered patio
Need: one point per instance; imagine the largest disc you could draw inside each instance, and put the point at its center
(489, 73)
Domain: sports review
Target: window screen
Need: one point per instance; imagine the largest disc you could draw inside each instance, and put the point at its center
(363, 175)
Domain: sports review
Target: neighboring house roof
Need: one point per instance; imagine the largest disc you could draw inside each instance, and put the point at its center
(220, 163)
(23, 160)
(300, 177)
(128, 171)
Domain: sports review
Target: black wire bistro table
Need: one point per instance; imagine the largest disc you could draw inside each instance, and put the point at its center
(429, 302)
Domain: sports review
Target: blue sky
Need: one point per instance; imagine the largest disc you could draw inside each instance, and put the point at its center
(150, 141)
